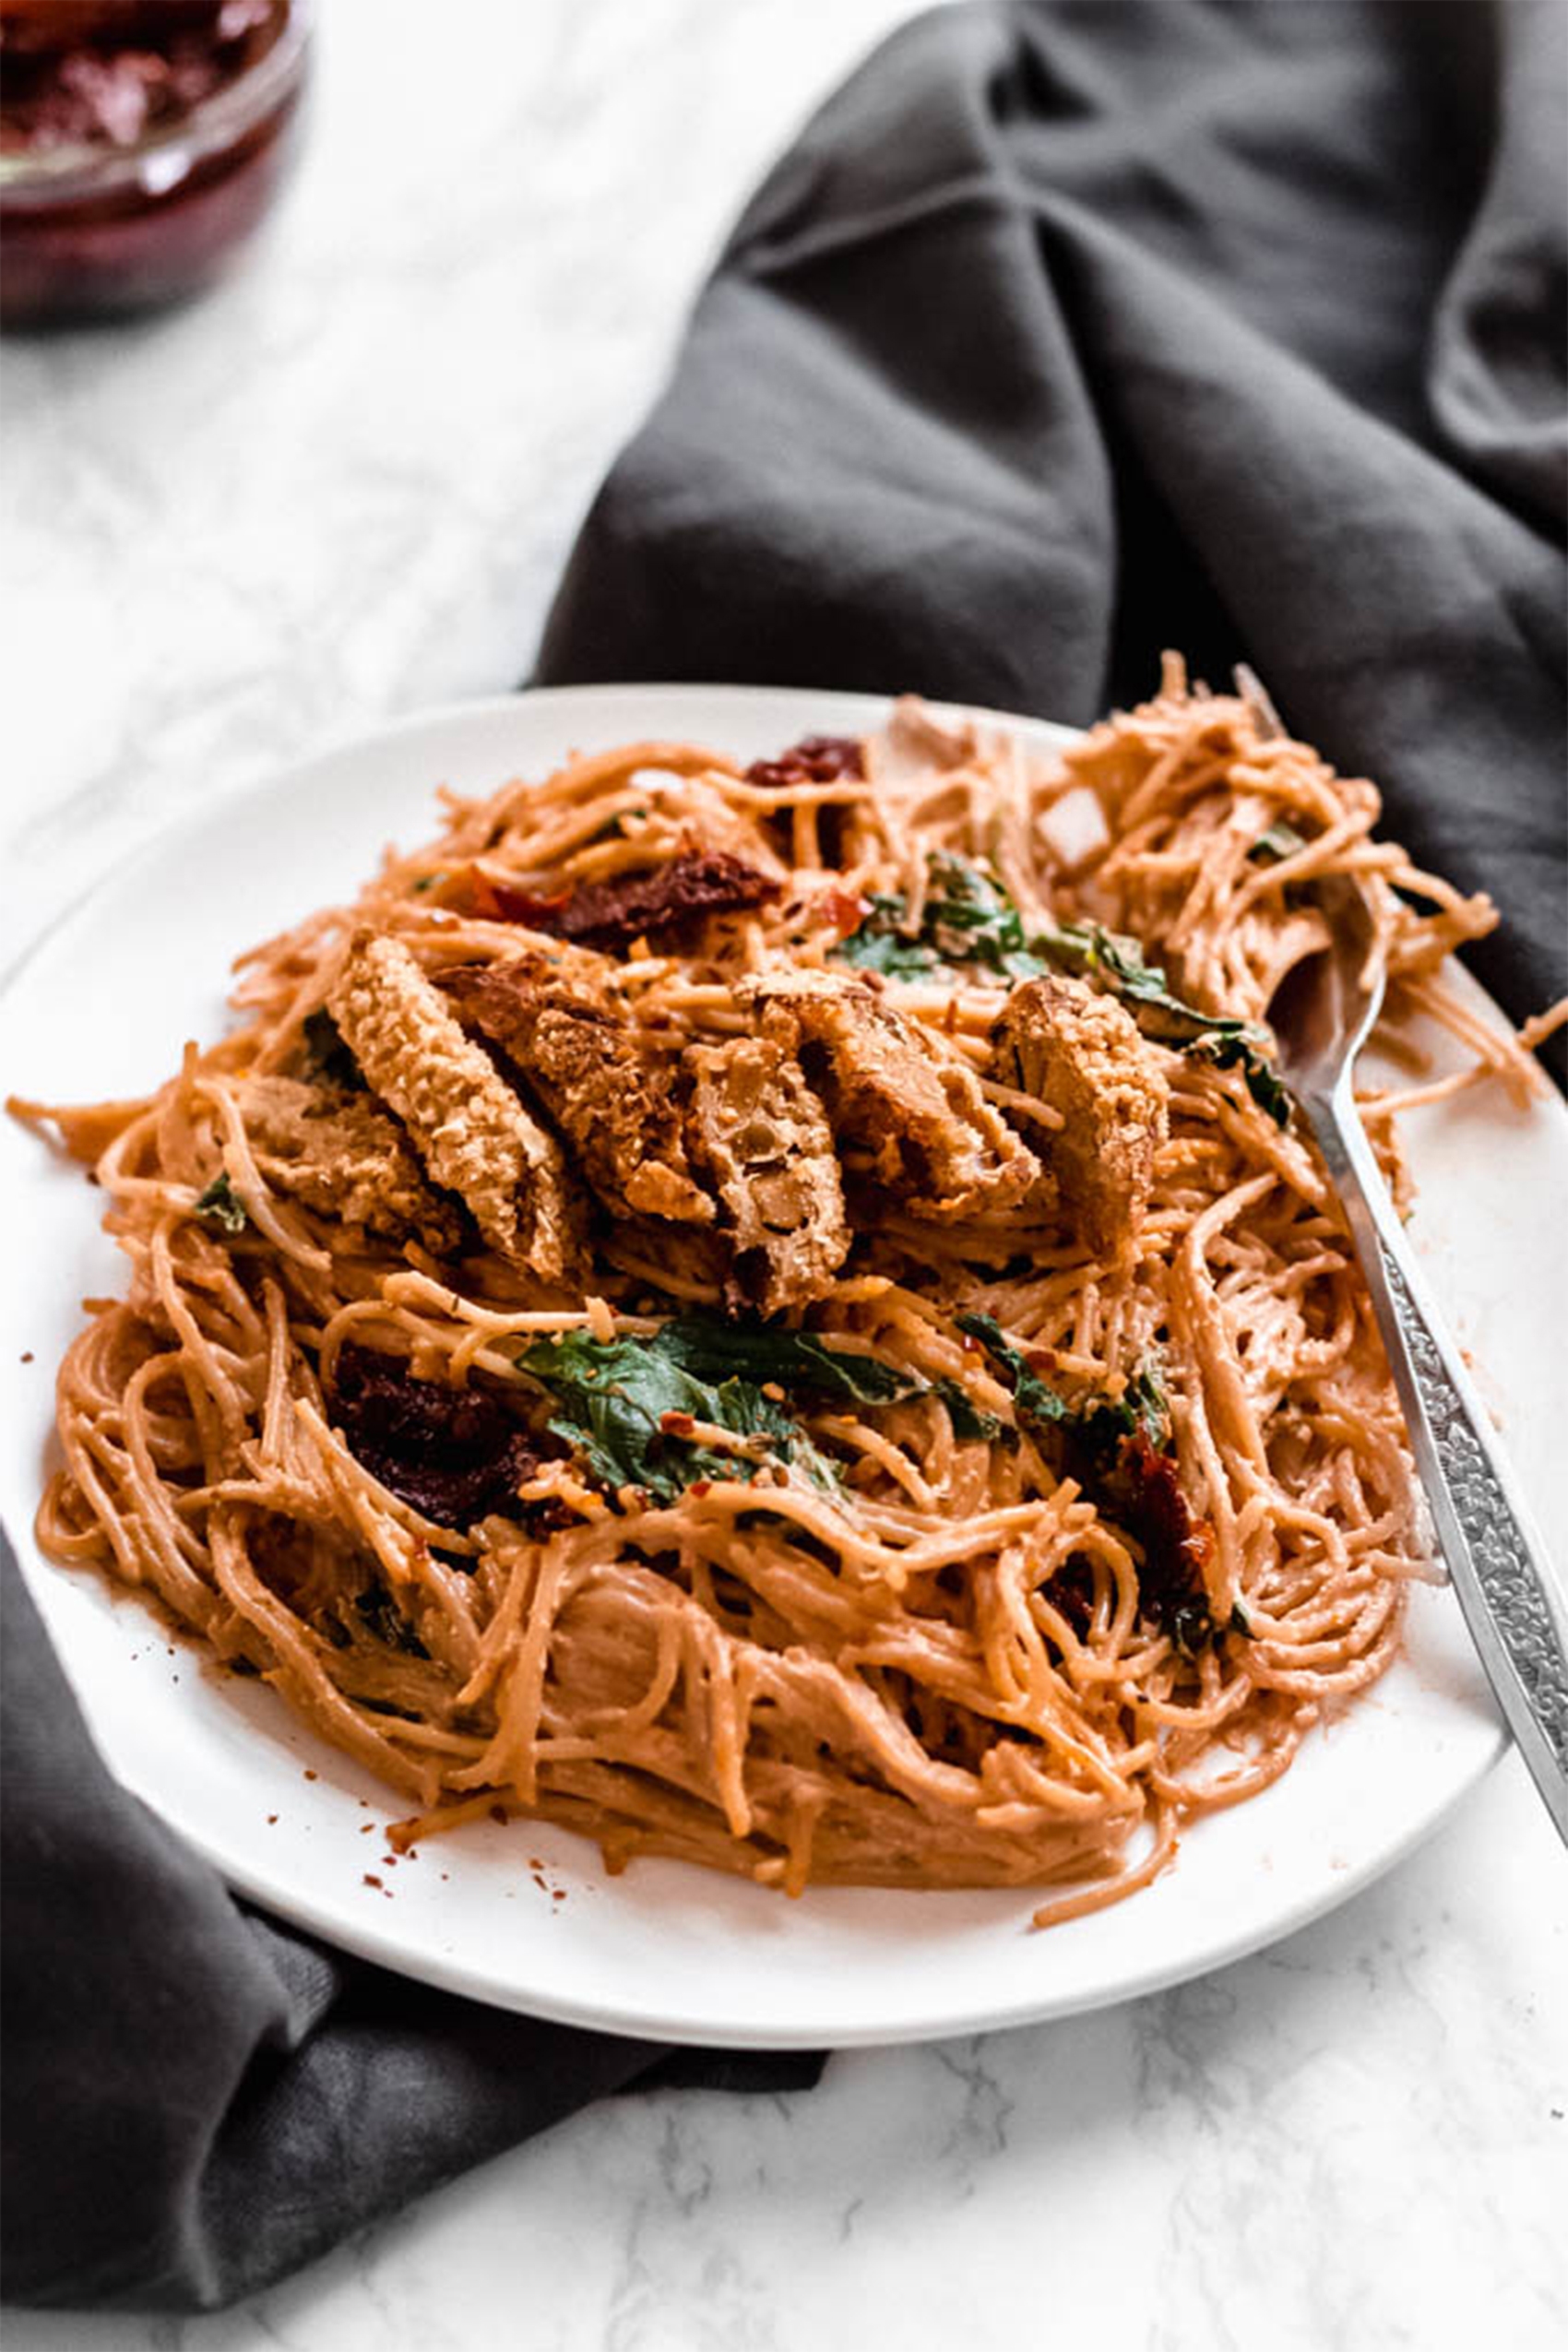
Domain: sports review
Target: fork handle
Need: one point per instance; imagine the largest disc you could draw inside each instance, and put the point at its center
(1506, 1586)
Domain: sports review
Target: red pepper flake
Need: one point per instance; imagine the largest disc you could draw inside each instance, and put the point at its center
(845, 911)
(676, 1424)
(558, 1895)
(370, 1879)
(309, 1775)
(498, 1813)
(271, 1819)
(699, 1487)
(27, 1355)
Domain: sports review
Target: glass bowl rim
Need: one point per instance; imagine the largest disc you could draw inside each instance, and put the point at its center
(97, 168)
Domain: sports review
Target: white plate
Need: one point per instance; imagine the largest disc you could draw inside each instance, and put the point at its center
(524, 1916)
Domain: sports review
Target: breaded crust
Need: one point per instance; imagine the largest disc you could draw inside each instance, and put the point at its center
(914, 1114)
(1081, 1053)
(760, 1133)
(342, 1154)
(469, 1127)
(610, 1094)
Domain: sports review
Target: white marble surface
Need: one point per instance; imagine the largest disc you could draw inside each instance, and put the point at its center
(341, 487)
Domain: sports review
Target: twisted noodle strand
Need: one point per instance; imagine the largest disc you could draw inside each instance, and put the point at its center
(889, 1682)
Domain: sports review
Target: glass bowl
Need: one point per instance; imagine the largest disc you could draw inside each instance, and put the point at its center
(93, 229)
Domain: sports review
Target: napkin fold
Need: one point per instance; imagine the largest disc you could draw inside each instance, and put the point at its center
(196, 2099)
(1065, 332)
(1069, 332)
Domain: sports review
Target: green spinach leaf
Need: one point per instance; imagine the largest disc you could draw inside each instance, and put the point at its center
(747, 1349)
(1220, 1038)
(966, 1416)
(221, 1205)
(623, 1403)
(1140, 1410)
(1037, 1405)
(967, 918)
(1280, 840)
(880, 945)
(1230, 1051)
(1117, 961)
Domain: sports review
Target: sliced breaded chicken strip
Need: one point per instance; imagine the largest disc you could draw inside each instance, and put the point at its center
(607, 1088)
(916, 744)
(1080, 1052)
(468, 1126)
(912, 1113)
(760, 1133)
(342, 1154)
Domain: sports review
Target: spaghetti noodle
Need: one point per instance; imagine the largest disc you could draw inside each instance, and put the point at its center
(986, 1471)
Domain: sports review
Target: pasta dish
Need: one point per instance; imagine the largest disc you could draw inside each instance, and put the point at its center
(780, 1314)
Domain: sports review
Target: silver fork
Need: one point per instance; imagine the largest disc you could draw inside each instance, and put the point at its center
(1512, 1602)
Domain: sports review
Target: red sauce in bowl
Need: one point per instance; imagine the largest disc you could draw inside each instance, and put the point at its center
(141, 141)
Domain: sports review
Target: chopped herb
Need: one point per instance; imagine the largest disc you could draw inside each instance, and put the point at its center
(430, 880)
(223, 1205)
(380, 1612)
(1239, 1621)
(620, 1402)
(966, 1416)
(967, 918)
(326, 1059)
(1281, 840)
(1191, 1625)
(879, 946)
(1117, 960)
(1219, 1038)
(1120, 1453)
(1140, 1409)
(1036, 1405)
(1231, 1052)
(1098, 1426)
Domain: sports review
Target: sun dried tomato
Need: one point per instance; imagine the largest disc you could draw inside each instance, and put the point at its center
(660, 905)
(1142, 1492)
(815, 759)
(453, 1455)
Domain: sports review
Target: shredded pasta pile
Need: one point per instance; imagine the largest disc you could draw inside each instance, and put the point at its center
(1109, 1497)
